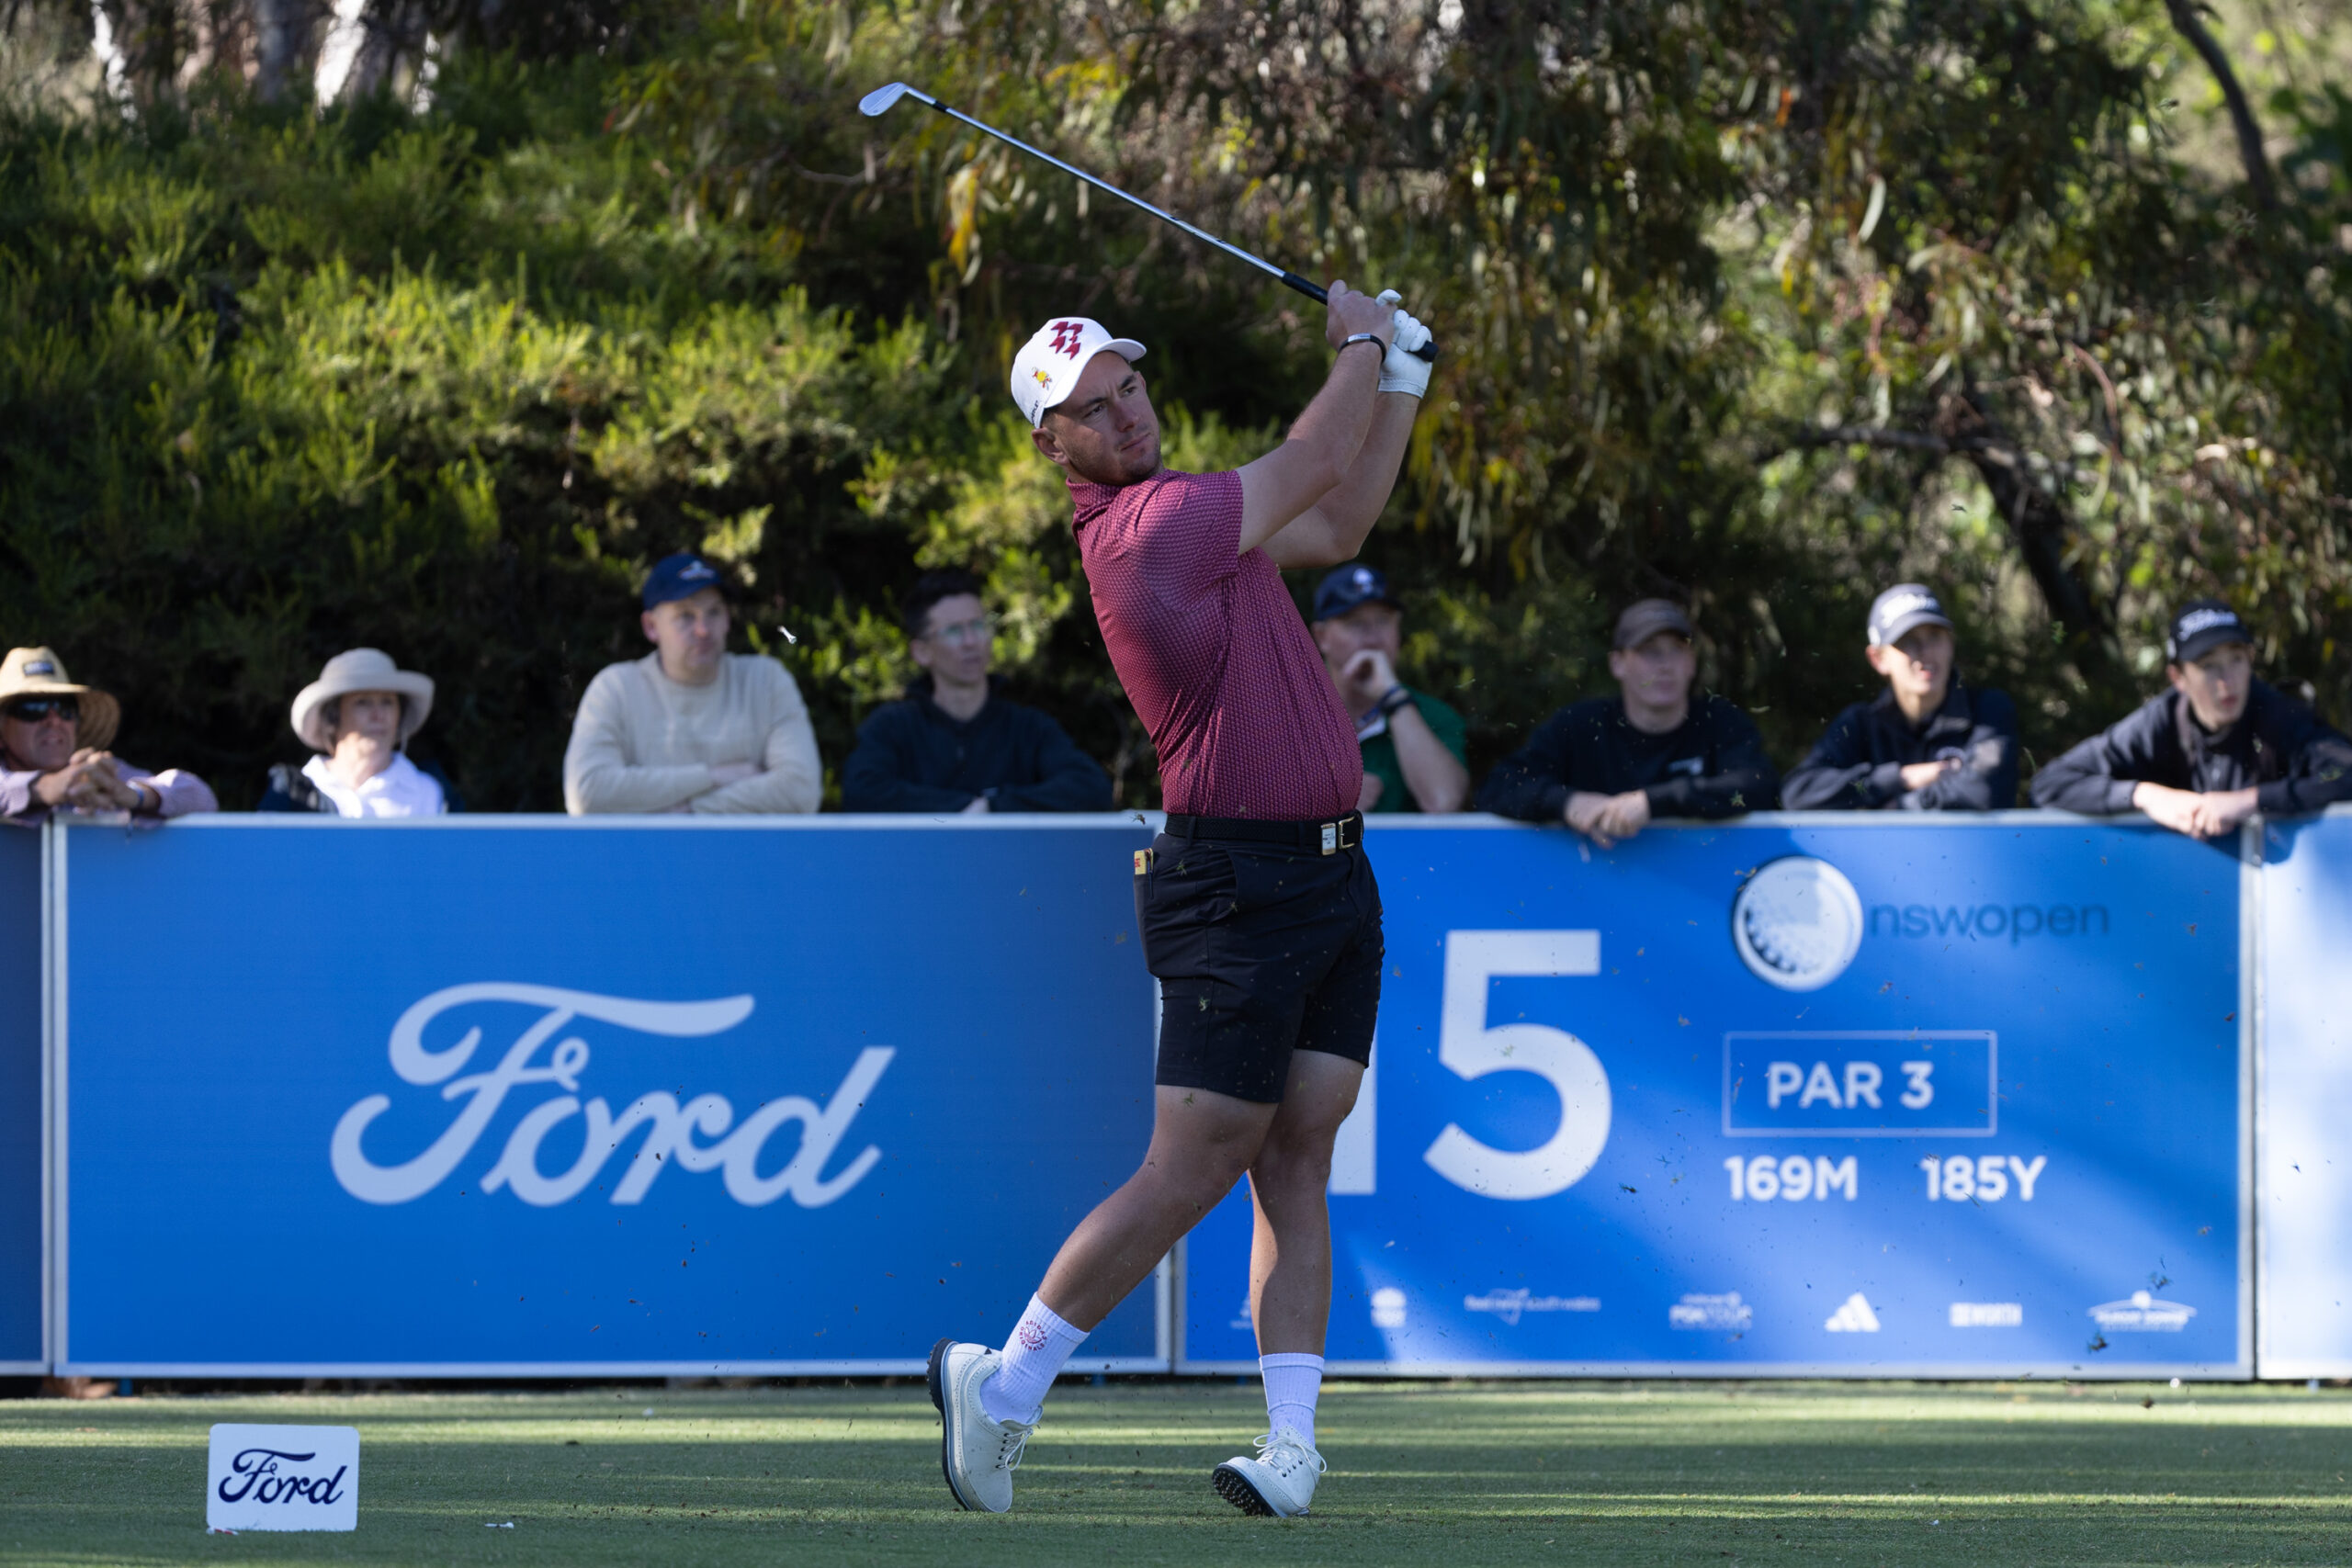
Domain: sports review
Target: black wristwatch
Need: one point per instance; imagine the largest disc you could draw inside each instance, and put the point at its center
(1395, 697)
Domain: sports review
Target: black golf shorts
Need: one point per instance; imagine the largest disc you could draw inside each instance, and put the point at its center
(1261, 949)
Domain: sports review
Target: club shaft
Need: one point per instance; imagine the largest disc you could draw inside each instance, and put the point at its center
(1302, 285)
(1312, 290)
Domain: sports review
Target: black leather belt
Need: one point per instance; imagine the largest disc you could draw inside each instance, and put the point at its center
(1323, 837)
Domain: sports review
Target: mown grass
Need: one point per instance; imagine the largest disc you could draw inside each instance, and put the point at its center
(1454, 1474)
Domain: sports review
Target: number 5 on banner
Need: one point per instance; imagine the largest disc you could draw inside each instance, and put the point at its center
(1468, 1045)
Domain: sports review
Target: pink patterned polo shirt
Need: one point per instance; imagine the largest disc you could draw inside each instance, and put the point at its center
(1213, 654)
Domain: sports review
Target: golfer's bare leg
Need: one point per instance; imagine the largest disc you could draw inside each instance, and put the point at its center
(1201, 1143)
(1290, 1252)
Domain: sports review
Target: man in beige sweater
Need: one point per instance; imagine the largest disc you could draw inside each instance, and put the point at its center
(691, 727)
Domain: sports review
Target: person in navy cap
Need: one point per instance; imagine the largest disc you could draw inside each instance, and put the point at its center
(691, 727)
(1928, 742)
(1414, 746)
(2211, 753)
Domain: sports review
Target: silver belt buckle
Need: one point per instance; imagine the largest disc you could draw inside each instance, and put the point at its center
(1330, 838)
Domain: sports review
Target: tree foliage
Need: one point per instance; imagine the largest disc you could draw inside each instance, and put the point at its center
(1767, 305)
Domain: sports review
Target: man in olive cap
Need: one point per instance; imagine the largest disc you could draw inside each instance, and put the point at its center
(53, 735)
(2211, 753)
(1606, 766)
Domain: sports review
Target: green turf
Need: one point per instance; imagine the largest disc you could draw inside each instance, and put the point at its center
(1463, 1475)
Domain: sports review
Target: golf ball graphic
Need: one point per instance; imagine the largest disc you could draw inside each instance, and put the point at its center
(1797, 924)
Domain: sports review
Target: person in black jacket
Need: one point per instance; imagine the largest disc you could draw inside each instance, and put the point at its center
(1607, 765)
(1928, 742)
(954, 745)
(2219, 746)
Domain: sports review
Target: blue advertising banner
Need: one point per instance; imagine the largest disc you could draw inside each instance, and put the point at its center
(2303, 1194)
(507, 1097)
(21, 1198)
(1796, 1095)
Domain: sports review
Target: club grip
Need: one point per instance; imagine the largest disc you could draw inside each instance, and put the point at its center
(1312, 290)
(1427, 351)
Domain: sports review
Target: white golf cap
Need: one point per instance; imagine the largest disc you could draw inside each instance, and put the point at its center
(1050, 362)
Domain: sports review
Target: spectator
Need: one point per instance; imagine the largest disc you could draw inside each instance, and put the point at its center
(954, 744)
(1607, 765)
(691, 727)
(1412, 743)
(1927, 742)
(2205, 756)
(360, 716)
(53, 735)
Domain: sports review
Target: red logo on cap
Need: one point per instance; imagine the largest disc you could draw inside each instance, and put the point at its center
(1065, 336)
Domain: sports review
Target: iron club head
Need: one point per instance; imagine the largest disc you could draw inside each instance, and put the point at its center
(883, 99)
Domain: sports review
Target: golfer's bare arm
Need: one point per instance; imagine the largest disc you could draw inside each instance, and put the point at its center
(1333, 530)
(1313, 467)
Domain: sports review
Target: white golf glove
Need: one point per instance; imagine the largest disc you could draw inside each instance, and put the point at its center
(1402, 370)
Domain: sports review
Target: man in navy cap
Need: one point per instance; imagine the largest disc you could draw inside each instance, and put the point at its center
(691, 727)
(1413, 745)
(2205, 755)
(1928, 742)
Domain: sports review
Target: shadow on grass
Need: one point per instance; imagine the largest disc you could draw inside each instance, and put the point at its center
(1535, 1473)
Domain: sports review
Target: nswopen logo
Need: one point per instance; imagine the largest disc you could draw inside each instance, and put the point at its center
(1797, 924)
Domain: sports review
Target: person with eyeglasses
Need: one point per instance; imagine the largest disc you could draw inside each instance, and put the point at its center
(54, 756)
(955, 743)
(690, 726)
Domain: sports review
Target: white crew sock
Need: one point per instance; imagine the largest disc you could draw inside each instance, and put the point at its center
(1293, 1380)
(1041, 1345)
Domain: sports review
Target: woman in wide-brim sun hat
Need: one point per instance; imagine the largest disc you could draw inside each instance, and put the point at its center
(359, 715)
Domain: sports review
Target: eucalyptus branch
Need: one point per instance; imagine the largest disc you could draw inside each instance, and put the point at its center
(2192, 26)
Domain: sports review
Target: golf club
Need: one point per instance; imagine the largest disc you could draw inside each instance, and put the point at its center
(882, 99)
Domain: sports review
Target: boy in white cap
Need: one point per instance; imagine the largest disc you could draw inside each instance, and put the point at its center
(1928, 742)
(1258, 910)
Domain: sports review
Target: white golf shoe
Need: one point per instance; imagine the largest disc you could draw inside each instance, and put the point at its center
(1278, 1484)
(977, 1455)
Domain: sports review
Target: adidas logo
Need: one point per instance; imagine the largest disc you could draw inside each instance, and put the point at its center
(1854, 1317)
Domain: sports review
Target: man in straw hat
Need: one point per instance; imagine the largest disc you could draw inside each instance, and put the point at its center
(53, 735)
(360, 716)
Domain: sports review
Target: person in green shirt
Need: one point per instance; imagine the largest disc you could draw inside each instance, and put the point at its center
(1414, 757)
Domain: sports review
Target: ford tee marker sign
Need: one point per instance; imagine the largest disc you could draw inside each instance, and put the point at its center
(282, 1478)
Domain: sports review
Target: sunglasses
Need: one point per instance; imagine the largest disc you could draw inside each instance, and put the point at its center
(32, 710)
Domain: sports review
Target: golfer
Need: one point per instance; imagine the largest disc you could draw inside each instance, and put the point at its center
(1257, 907)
